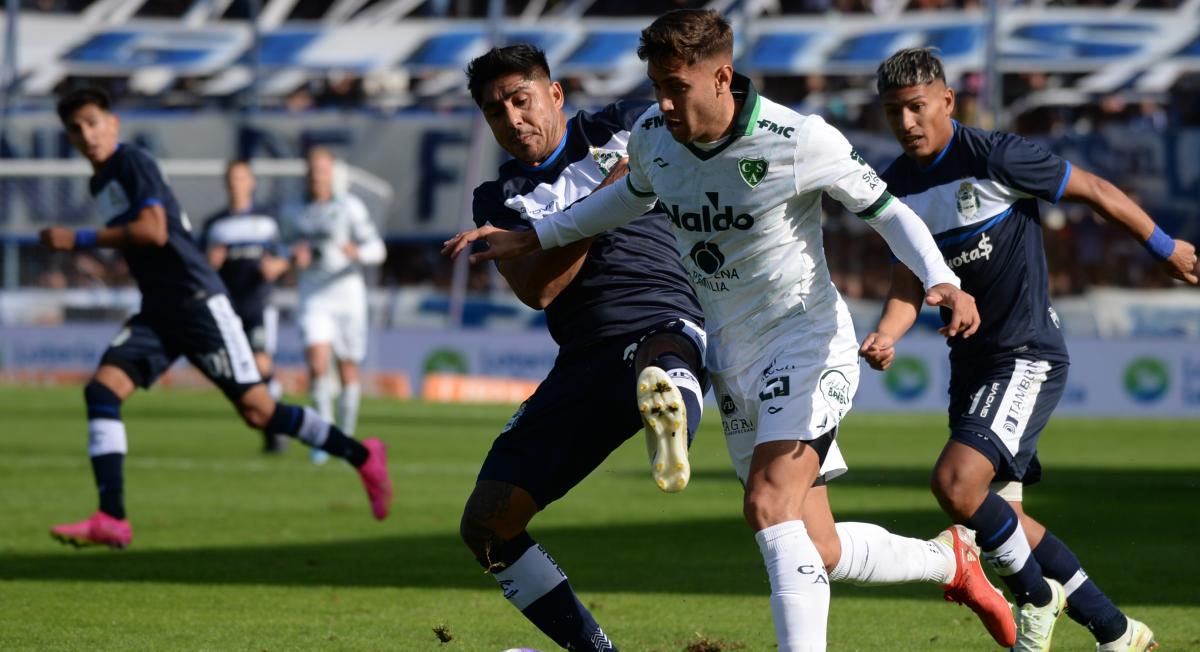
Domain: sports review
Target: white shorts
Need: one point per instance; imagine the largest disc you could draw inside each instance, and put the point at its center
(799, 389)
(344, 328)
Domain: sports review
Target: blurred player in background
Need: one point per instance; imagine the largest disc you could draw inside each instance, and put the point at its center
(622, 312)
(242, 243)
(332, 238)
(185, 311)
(741, 179)
(978, 192)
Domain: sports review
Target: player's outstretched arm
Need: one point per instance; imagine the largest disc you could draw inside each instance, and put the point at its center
(607, 208)
(911, 242)
(149, 229)
(899, 313)
(1178, 257)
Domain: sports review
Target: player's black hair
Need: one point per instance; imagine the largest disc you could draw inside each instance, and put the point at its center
(909, 67)
(235, 162)
(521, 59)
(686, 36)
(77, 99)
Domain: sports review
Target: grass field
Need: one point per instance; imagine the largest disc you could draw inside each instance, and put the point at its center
(236, 552)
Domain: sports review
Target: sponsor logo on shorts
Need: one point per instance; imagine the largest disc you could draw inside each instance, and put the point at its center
(727, 405)
(512, 421)
(775, 388)
(991, 398)
(835, 387)
(737, 425)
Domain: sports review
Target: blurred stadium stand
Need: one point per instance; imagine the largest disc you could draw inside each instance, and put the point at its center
(1113, 85)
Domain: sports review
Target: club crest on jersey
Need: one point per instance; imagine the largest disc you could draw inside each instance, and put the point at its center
(606, 158)
(753, 170)
(968, 200)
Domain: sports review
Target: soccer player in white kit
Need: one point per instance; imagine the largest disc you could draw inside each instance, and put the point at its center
(741, 179)
(332, 239)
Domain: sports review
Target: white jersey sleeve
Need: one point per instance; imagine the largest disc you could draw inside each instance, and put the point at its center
(826, 161)
(371, 250)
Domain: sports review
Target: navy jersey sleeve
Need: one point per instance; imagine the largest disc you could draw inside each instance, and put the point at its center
(487, 207)
(142, 180)
(1022, 164)
(622, 115)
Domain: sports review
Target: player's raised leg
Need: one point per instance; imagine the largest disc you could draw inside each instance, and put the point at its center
(107, 447)
(670, 397)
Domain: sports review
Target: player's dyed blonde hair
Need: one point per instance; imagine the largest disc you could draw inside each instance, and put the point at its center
(686, 36)
(909, 67)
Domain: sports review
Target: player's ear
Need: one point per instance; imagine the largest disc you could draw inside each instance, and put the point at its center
(724, 78)
(949, 98)
(556, 94)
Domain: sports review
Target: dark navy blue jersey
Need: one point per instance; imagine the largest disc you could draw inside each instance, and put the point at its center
(248, 237)
(980, 200)
(631, 277)
(128, 182)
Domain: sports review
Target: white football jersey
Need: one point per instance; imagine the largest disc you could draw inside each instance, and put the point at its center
(327, 227)
(747, 215)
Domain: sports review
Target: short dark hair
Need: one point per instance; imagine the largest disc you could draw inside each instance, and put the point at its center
(687, 36)
(521, 59)
(77, 99)
(909, 67)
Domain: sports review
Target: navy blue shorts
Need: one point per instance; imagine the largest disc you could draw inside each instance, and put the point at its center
(1001, 407)
(583, 411)
(205, 330)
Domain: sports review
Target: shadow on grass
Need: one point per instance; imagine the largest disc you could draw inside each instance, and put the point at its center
(1126, 526)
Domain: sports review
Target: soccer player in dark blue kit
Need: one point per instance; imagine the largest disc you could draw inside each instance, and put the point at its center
(978, 191)
(185, 311)
(619, 306)
(242, 243)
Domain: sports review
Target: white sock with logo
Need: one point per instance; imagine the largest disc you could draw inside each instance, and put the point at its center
(873, 556)
(348, 403)
(799, 586)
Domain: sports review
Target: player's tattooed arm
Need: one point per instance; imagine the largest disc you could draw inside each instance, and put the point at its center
(1178, 257)
(149, 229)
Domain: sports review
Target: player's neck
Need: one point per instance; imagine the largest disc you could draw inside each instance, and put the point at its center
(97, 165)
(240, 205)
(728, 117)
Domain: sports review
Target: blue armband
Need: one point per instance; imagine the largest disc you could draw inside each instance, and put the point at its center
(1160, 245)
(85, 238)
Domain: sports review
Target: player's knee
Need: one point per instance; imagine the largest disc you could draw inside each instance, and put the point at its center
(761, 508)
(97, 393)
(954, 492)
(253, 414)
(478, 537)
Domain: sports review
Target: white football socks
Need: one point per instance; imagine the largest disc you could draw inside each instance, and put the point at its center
(872, 555)
(348, 402)
(799, 586)
(320, 391)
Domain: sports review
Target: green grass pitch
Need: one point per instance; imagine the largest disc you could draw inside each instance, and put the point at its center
(233, 551)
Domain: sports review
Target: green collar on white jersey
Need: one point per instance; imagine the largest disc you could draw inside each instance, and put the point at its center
(744, 122)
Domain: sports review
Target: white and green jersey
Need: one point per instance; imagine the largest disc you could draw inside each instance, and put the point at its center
(747, 215)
